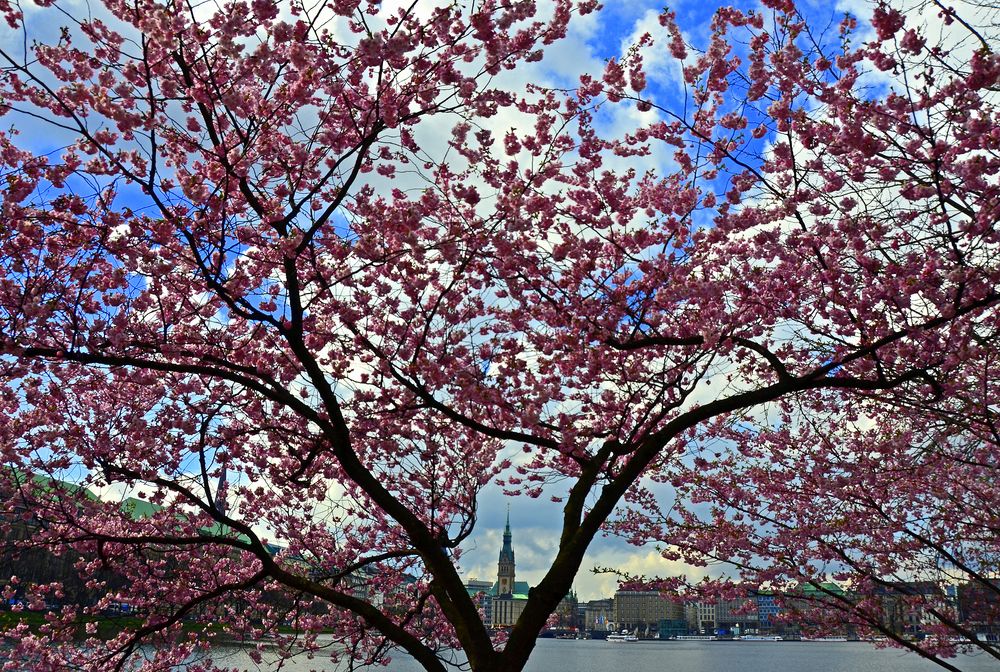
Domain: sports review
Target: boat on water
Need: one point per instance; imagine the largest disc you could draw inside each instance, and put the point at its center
(761, 638)
(695, 638)
(824, 639)
(623, 636)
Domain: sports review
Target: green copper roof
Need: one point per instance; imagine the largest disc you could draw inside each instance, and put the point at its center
(824, 588)
(520, 587)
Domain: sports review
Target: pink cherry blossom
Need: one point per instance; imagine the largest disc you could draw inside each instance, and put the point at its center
(284, 304)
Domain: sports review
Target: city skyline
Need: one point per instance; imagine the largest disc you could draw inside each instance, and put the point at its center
(534, 523)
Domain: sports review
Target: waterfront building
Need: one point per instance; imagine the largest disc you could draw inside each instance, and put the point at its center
(508, 595)
(506, 609)
(978, 605)
(811, 606)
(691, 616)
(644, 609)
(736, 617)
(704, 617)
(476, 586)
(768, 610)
(673, 627)
(505, 565)
(599, 615)
(480, 591)
(35, 564)
(909, 606)
(565, 618)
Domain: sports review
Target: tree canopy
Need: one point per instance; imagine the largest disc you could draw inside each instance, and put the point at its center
(318, 273)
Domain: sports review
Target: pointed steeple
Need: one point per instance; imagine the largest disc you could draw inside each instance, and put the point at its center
(507, 552)
(505, 566)
(220, 504)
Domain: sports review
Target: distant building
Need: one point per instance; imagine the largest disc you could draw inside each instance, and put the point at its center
(909, 606)
(768, 609)
(508, 596)
(644, 609)
(38, 564)
(565, 616)
(506, 609)
(809, 607)
(979, 606)
(581, 617)
(475, 586)
(480, 591)
(736, 617)
(704, 618)
(505, 565)
(599, 615)
(691, 616)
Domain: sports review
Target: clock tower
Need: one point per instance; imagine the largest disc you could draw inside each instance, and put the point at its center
(505, 566)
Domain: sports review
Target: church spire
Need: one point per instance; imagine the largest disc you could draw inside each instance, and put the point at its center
(505, 566)
(507, 552)
(221, 491)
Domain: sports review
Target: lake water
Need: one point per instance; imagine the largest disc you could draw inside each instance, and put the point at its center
(553, 655)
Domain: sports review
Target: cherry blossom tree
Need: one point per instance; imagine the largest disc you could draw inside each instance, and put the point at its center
(318, 274)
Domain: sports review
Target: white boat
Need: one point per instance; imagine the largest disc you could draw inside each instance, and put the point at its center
(623, 636)
(695, 638)
(761, 638)
(824, 639)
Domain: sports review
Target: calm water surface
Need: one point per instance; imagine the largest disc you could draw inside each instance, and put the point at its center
(597, 656)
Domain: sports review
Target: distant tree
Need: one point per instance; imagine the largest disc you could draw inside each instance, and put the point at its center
(323, 249)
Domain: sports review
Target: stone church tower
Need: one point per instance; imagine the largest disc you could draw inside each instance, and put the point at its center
(505, 567)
